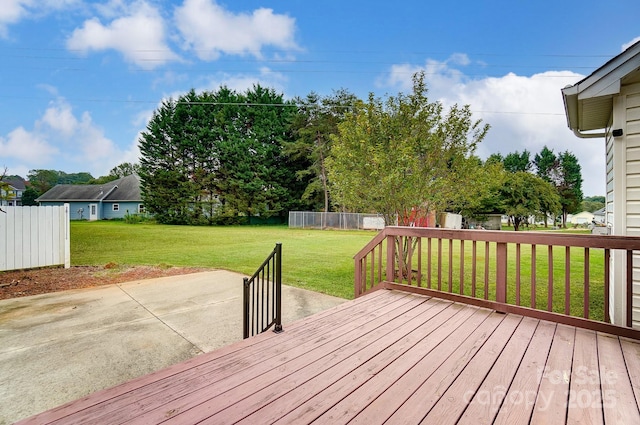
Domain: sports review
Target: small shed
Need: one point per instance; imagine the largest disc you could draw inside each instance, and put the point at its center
(606, 105)
(111, 200)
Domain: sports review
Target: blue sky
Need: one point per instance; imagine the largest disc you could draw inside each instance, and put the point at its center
(80, 79)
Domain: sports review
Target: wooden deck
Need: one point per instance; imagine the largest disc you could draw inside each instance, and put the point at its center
(392, 357)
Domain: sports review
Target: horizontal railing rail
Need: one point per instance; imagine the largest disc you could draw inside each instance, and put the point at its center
(262, 296)
(556, 273)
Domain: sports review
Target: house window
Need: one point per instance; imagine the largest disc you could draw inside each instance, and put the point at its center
(141, 208)
(116, 207)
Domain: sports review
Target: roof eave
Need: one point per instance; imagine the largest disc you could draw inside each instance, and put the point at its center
(592, 96)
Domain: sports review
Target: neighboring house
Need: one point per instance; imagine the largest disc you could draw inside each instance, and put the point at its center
(584, 217)
(98, 201)
(11, 195)
(606, 105)
(600, 215)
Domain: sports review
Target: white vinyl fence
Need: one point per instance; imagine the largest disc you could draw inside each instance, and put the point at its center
(33, 237)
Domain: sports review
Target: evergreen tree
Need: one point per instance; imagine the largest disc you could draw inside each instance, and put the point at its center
(517, 161)
(215, 157)
(317, 119)
(569, 185)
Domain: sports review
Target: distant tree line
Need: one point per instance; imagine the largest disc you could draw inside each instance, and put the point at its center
(549, 185)
(223, 157)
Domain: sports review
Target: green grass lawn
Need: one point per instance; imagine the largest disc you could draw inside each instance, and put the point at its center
(319, 260)
(312, 259)
(576, 273)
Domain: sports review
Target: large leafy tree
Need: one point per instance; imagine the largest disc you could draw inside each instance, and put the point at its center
(485, 198)
(403, 156)
(43, 180)
(592, 203)
(404, 153)
(317, 119)
(523, 195)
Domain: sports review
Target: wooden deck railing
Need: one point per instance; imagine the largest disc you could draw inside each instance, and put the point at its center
(546, 275)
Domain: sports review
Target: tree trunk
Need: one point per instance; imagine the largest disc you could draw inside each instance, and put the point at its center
(403, 259)
(325, 186)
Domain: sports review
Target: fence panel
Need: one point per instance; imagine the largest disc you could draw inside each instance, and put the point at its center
(33, 237)
(335, 220)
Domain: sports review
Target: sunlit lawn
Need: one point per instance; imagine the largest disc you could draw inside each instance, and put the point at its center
(576, 273)
(321, 260)
(318, 260)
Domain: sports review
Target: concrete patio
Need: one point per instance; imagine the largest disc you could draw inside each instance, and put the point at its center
(61, 346)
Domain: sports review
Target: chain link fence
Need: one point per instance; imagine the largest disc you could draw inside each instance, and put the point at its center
(335, 220)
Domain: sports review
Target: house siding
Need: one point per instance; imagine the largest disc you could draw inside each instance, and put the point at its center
(126, 206)
(105, 209)
(74, 208)
(632, 138)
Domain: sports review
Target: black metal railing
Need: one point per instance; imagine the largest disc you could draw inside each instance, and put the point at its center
(262, 298)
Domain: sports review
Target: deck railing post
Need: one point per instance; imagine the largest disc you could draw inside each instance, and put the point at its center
(501, 272)
(245, 315)
(391, 254)
(278, 324)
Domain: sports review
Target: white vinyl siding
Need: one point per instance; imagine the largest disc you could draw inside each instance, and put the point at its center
(632, 142)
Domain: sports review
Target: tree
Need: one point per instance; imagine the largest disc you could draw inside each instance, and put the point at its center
(317, 119)
(485, 198)
(403, 155)
(118, 172)
(216, 157)
(546, 164)
(524, 195)
(29, 196)
(569, 185)
(256, 178)
(125, 169)
(517, 161)
(43, 180)
(4, 188)
(173, 150)
(592, 203)
(547, 168)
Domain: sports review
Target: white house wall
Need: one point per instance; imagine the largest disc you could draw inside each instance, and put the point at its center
(631, 130)
(623, 196)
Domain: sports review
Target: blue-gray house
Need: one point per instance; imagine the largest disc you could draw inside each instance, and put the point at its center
(98, 201)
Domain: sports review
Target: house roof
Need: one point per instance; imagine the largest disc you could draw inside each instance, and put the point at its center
(588, 104)
(15, 182)
(121, 190)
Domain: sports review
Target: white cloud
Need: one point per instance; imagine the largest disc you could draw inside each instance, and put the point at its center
(210, 30)
(629, 44)
(525, 112)
(27, 146)
(13, 11)
(243, 82)
(139, 35)
(62, 137)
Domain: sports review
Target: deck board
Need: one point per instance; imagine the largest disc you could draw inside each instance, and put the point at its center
(388, 356)
(618, 401)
